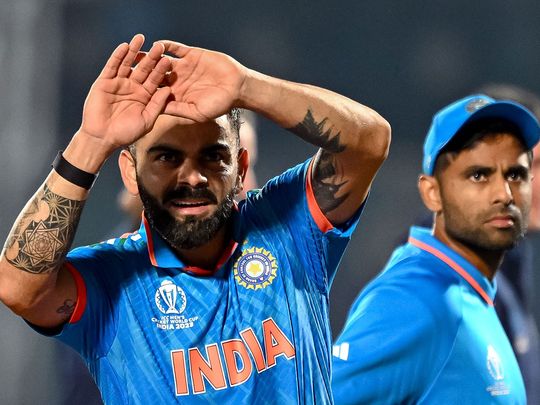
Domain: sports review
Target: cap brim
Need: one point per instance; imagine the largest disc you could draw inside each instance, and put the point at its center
(515, 113)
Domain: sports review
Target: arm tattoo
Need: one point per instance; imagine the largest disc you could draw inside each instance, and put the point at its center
(67, 309)
(41, 244)
(326, 171)
(313, 132)
(326, 182)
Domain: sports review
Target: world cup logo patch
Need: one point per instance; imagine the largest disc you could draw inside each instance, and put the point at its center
(255, 269)
(170, 299)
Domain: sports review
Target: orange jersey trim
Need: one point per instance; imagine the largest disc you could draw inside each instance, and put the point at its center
(80, 305)
(320, 219)
(150, 243)
(227, 253)
(456, 267)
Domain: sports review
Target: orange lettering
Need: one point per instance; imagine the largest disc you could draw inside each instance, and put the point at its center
(255, 348)
(231, 350)
(275, 343)
(179, 372)
(211, 370)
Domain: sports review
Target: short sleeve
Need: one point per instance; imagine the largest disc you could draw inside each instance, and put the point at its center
(390, 337)
(288, 205)
(92, 327)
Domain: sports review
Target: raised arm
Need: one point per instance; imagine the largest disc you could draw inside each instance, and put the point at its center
(122, 106)
(353, 139)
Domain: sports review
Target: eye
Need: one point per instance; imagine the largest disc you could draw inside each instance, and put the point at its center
(514, 176)
(167, 157)
(478, 176)
(213, 156)
(517, 175)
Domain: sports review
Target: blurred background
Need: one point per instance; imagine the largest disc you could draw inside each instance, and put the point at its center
(404, 59)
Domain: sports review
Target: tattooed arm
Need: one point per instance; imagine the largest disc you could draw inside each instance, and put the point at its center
(121, 107)
(353, 139)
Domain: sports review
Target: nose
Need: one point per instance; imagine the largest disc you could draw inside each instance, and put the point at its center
(502, 192)
(189, 173)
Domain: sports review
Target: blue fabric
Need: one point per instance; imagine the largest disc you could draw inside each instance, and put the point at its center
(147, 332)
(421, 334)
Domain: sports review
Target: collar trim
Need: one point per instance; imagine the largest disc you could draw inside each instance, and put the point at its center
(454, 266)
(226, 255)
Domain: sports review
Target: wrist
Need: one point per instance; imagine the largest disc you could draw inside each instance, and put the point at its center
(87, 153)
(258, 92)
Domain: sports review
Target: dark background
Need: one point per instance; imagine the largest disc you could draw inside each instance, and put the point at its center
(404, 59)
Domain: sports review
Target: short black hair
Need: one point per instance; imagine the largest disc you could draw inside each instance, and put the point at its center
(235, 122)
(472, 133)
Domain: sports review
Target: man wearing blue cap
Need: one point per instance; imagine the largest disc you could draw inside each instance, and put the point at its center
(425, 330)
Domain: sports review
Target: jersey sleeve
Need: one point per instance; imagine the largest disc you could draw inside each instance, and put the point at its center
(92, 326)
(288, 203)
(391, 349)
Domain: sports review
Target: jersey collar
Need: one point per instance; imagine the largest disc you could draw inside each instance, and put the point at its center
(424, 240)
(161, 255)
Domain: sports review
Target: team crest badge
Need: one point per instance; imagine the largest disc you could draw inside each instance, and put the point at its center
(255, 269)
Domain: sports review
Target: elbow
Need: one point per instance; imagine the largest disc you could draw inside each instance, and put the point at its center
(376, 145)
(16, 295)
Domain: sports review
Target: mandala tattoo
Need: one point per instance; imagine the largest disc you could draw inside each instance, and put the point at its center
(42, 245)
(326, 179)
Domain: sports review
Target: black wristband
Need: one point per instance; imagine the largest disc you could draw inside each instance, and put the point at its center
(73, 174)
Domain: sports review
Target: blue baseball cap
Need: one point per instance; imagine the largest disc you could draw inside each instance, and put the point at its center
(448, 121)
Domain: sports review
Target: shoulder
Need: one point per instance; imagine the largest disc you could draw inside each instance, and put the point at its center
(413, 287)
(129, 247)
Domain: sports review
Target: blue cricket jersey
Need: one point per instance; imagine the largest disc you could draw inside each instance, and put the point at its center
(154, 330)
(425, 332)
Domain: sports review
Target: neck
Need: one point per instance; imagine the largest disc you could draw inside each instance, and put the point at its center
(207, 256)
(486, 261)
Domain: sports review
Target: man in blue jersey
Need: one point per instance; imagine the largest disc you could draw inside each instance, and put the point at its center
(425, 330)
(210, 300)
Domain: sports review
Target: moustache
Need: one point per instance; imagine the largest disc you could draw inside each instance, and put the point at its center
(511, 211)
(189, 192)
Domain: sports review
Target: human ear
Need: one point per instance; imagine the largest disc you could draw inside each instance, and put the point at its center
(128, 170)
(430, 192)
(243, 164)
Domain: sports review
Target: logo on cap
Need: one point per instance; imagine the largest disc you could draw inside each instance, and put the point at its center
(476, 104)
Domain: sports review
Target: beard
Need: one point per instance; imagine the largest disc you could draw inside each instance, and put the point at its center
(470, 230)
(189, 232)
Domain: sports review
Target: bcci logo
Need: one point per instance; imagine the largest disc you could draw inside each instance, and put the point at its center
(255, 269)
(494, 364)
(170, 299)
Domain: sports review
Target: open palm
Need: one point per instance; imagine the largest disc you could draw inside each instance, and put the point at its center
(204, 84)
(124, 103)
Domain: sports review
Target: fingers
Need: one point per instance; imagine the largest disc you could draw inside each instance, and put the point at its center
(134, 47)
(157, 75)
(139, 57)
(183, 110)
(115, 60)
(156, 105)
(147, 63)
(176, 48)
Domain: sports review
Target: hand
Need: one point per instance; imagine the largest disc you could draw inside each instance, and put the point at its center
(124, 102)
(204, 84)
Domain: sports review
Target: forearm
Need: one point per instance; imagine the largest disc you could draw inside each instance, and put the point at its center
(41, 236)
(319, 116)
(353, 138)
